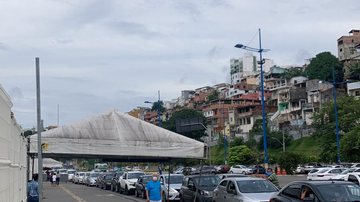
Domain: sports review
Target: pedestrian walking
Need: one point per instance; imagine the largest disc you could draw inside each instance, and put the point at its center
(153, 190)
(271, 176)
(33, 189)
(58, 179)
(53, 179)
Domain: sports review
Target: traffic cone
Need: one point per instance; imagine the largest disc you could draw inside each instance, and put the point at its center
(283, 172)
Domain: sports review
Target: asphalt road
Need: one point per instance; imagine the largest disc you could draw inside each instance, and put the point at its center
(69, 192)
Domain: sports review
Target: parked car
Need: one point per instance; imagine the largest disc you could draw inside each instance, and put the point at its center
(79, 177)
(240, 169)
(223, 176)
(344, 174)
(127, 181)
(91, 180)
(204, 170)
(222, 169)
(87, 175)
(354, 178)
(313, 173)
(105, 180)
(326, 174)
(141, 184)
(258, 170)
(170, 188)
(300, 170)
(311, 166)
(71, 174)
(249, 189)
(356, 165)
(199, 188)
(179, 170)
(115, 182)
(319, 191)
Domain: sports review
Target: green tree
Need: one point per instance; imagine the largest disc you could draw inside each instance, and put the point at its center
(158, 105)
(237, 141)
(241, 155)
(213, 96)
(324, 124)
(289, 161)
(293, 72)
(354, 71)
(186, 114)
(322, 65)
(350, 145)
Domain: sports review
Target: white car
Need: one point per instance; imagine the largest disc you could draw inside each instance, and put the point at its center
(354, 177)
(313, 173)
(71, 174)
(175, 186)
(326, 174)
(240, 169)
(79, 177)
(128, 180)
(344, 174)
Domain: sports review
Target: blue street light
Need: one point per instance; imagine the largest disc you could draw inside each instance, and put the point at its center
(158, 109)
(261, 62)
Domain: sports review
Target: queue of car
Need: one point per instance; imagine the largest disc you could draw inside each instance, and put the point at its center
(213, 184)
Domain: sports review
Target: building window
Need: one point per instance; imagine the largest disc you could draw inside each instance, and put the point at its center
(248, 120)
(357, 93)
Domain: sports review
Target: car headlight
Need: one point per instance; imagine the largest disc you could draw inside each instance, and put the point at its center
(172, 191)
(205, 193)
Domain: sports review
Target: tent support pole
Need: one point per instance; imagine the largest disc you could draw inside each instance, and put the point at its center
(168, 183)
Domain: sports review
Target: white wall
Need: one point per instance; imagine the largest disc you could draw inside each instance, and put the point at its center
(12, 155)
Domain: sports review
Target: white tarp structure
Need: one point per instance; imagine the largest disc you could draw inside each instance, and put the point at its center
(12, 154)
(47, 163)
(117, 136)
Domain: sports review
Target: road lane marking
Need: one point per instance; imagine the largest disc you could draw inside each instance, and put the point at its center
(78, 199)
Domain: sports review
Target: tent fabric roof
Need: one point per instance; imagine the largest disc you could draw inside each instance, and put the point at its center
(117, 136)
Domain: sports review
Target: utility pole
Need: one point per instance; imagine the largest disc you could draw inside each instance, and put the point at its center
(39, 129)
(58, 115)
(158, 110)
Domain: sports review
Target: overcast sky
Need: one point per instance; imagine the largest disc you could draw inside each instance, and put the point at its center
(97, 55)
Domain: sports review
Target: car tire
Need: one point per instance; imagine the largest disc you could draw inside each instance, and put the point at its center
(126, 191)
(231, 172)
(244, 172)
(143, 195)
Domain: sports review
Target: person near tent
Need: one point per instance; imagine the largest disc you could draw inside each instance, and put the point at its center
(53, 179)
(33, 189)
(153, 189)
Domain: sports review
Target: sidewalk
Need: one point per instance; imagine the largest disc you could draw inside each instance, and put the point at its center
(55, 193)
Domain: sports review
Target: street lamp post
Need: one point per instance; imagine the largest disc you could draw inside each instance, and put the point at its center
(158, 109)
(261, 62)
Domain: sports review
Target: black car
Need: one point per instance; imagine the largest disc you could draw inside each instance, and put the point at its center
(105, 180)
(319, 191)
(205, 170)
(141, 184)
(258, 170)
(115, 183)
(198, 187)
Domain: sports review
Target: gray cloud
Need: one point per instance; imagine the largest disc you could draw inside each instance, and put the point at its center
(4, 47)
(131, 28)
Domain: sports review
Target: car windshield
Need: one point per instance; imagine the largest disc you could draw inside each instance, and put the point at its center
(207, 181)
(313, 171)
(71, 171)
(340, 192)
(255, 186)
(81, 174)
(94, 174)
(175, 179)
(135, 175)
(109, 176)
(147, 178)
(323, 171)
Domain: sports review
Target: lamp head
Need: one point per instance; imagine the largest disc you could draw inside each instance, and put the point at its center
(239, 46)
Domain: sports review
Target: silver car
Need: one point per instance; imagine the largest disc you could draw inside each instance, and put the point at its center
(249, 189)
(175, 186)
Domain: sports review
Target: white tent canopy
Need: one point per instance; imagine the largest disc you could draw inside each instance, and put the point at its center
(117, 136)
